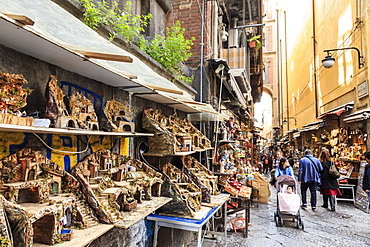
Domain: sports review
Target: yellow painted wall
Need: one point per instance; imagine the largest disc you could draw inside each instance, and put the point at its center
(335, 25)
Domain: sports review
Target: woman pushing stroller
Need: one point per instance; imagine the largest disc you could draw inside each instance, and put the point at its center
(283, 168)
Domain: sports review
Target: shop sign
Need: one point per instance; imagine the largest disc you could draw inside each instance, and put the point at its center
(363, 89)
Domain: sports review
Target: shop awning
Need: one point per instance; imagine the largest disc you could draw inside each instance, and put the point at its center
(59, 38)
(313, 126)
(292, 130)
(338, 110)
(358, 116)
(296, 135)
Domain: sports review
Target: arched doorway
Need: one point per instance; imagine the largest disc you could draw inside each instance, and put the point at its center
(31, 175)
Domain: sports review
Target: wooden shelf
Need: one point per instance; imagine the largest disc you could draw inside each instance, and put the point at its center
(82, 237)
(348, 160)
(165, 155)
(143, 209)
(43, 130)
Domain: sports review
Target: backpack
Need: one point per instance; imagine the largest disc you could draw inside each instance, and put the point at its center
(333, 171)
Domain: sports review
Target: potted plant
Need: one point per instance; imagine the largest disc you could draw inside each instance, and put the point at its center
(254, 43)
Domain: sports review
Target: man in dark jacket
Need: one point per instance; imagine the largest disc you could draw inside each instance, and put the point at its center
(366, 179)
(309, 177)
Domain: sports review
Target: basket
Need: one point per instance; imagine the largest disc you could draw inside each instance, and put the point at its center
(66, 234)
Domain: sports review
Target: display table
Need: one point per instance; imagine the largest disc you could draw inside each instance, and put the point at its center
(348, 187)
(243, 203)
(193, 225)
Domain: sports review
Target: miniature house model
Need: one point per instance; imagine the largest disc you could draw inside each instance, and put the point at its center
(78, 113)
(202, 177)
(172, 135)
(116, 181)
(186, 195)
(31, 185)
(12, 98)
(117, 115)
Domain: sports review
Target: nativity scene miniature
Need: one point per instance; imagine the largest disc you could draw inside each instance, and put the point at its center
(186, 195)
(117, 117)
(113, 183)
(43, 203)
(13, 97)
(171, 134)
(202, 177)
(75, 111)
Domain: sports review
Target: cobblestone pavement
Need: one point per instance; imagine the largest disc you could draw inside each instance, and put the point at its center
(347, 226)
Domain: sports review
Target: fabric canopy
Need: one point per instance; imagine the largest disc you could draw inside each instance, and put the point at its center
(338, 110)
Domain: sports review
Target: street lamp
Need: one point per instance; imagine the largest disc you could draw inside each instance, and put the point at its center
(285, 121)
(328, 61)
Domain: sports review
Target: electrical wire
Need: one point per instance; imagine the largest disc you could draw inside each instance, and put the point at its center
(62, 151)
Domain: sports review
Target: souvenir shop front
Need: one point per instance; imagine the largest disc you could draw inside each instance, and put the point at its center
(346, 138)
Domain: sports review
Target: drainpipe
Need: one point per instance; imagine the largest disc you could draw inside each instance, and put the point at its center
(278, 65)
(314, 58)
(286, 73)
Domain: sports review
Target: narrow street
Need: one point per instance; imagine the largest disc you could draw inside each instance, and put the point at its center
(347, 226)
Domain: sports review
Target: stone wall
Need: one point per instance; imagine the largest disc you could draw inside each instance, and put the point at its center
(135, 236)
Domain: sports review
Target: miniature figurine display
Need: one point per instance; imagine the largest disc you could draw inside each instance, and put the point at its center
(13, 97)
(229, 129)
(202, 177)
(42, 203)
(172, 135)
(186, 195)
(117, 115)
(75, 111)
(31, 200)
(114, 183)
(232, 159)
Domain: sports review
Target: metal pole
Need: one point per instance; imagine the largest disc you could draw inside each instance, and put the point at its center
(201, 66)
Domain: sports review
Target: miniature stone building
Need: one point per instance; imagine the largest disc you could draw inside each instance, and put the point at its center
(118, 118)
(202, 177)
(13, 97)
(172, 135)
(186, 195)
(35, 183)
(120, 183)
(79, 112)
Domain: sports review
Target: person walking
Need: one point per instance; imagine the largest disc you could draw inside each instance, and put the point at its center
(309, 177)
(279, 155)
(366, 178)
(329, 185)
(265, 162)
(283, 168)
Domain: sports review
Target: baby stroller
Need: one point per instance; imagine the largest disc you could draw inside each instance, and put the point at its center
(288, 203)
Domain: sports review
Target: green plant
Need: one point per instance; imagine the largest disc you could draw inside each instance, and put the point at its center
(4, 241)
(170, 50)
(120, 20)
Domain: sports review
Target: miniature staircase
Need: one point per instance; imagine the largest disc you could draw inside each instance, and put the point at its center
(113, 213)
(87, 216)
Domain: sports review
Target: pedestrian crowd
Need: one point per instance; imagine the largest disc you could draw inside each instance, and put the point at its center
(313, 174)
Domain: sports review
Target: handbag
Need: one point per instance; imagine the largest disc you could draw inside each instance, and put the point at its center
(333, 171)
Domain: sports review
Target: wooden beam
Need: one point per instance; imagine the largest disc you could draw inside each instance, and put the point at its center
(194, 103)
(166, 90)
(21, 18)
(105, 56)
